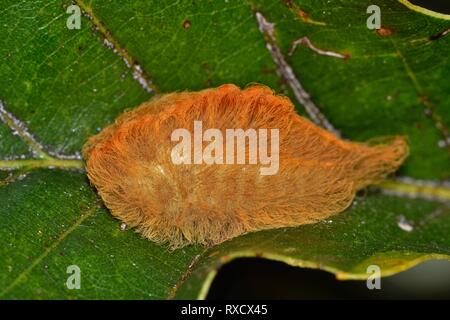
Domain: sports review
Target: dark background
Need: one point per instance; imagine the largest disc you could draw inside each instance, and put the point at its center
(442, 6)
(252, 278)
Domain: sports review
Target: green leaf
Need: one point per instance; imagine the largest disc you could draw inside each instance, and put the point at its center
(59, 86)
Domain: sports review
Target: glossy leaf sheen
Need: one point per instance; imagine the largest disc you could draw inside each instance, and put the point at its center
(67, 84)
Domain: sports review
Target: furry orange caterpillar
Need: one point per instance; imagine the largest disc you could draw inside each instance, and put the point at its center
(130, 164)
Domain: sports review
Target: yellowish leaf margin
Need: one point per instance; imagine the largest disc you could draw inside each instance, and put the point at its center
(424, 10)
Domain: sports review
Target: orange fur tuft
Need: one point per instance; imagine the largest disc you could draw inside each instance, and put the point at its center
(130, 165)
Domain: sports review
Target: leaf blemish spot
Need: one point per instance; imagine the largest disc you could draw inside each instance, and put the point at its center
(186, 24)
(444, 143)
(404, 224)
(440, 35)
(384, 31)
(302, 14)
